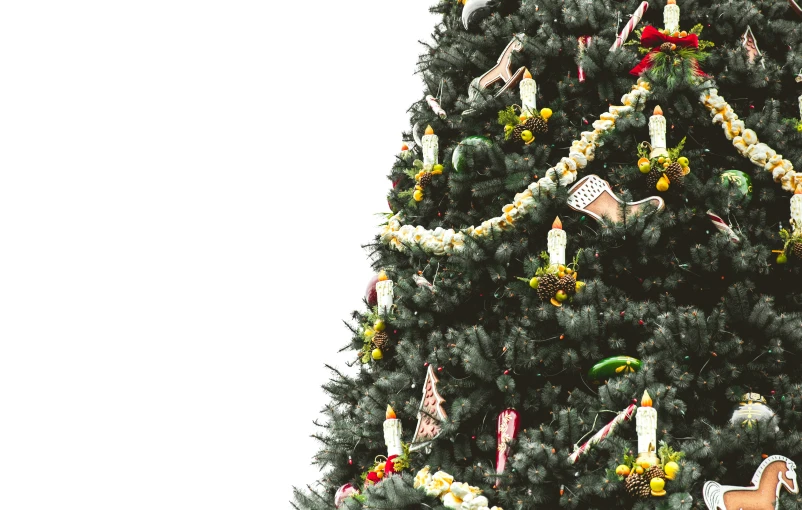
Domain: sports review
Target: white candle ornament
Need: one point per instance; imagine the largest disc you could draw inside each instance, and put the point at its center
(671, 16)
(429, 143)
(800, 107)
(646, 425)
(557, 241)
(384, 296)
(528, 94)
(657, 131)
(392, 434)
(796, 211)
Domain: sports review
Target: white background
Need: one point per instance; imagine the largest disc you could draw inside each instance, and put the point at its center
(185, 190)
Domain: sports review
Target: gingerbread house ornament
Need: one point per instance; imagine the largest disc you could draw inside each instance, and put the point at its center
(430, 414)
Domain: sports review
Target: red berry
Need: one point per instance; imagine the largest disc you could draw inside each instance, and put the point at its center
(439, 369)
(506, 372)
(426, 364)
(350, 461)
(640, 322)
(622, 314)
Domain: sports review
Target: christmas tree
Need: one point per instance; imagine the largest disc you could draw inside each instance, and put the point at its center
(586, 292)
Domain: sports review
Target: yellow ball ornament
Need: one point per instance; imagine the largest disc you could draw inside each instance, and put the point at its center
(379, 325)
(377, 354)
(546, 113)
(663, 183)
(623, 470)
(671, 469)
(417, 195)
(658, 486)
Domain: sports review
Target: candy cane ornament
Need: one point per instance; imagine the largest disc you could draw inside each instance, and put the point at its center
(434, 104)
(723, 227)
(630, 26)
(623, 416)
(584, 42)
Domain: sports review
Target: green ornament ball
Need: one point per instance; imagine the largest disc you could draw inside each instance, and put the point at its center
(471, 152)
(615, 365)
(739, 181)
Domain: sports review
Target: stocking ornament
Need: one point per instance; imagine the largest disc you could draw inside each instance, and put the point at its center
(593, 196)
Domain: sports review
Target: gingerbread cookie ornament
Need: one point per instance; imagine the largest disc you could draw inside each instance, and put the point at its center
(502, 72)
(774, 474)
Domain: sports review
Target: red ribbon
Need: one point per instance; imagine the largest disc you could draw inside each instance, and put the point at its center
(652, 38)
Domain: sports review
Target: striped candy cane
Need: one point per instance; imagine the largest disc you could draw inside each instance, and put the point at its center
(722, 226)
(584, 42)
(630, 26)
(623, 416)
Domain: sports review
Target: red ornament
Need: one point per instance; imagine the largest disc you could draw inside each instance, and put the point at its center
(370, 292)
(372, 479)
(508, 426)
(640, 322)
(506, 372)
(622, 314)
(350, 461)
(439, 369)
(389, 466)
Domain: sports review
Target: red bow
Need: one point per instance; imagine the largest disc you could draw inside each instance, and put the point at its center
(652, 38)
(389, 466)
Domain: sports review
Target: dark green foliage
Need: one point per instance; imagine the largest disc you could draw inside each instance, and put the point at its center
(710, 319)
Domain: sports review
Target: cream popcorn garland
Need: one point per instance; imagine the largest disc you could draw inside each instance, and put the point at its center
(454, 495)
(448, 241)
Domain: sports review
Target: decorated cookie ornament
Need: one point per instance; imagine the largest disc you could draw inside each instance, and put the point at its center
(430, 413)
(502, 72)
(773, 475)
(594, 197)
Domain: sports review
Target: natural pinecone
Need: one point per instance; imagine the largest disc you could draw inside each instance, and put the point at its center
(425, 179)
(637, 486)
(536, 125)
(547, 286)
(665, 47)
(380, 340)
(568, 284)
(797, 249)
(674, 173)
(652, 177)
(517, 130)
(654, 472)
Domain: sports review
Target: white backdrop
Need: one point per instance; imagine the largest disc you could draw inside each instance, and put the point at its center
(185, 190)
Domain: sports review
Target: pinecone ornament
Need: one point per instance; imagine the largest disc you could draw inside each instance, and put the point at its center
(637, 486)
(547, 286)
(654, 472)
(568, 284)
(380, 339)
(665, 47)
(674, 173)
(536, 125)
(425, 179)
(796, 249)
(652, 177)
(517, 130)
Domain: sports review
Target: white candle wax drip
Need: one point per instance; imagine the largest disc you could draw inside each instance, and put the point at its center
(557, 241)
(646, 425)
(384, 296)
(671, 17)
(796, 212)
(430, 142)
(657, 132)
(392, 437)
(528, 94)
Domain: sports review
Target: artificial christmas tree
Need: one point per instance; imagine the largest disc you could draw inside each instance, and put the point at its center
(681, 310)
